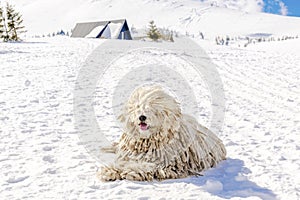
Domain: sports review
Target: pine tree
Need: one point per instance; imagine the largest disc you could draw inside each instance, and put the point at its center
(1, 23)
(153, 32)
(3, 28)
(14, 23)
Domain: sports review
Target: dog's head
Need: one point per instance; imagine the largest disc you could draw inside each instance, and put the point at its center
(151, 110)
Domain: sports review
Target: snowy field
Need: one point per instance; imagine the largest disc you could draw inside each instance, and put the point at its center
(43, 158)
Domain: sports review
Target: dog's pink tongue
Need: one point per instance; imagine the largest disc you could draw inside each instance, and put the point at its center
(143, 126)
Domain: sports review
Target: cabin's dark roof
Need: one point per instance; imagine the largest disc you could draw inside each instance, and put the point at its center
(83, 29)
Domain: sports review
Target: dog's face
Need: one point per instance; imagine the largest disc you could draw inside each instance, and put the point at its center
(150, 110)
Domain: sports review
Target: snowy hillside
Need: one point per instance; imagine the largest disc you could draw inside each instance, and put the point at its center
(43, 17)
(42, 156)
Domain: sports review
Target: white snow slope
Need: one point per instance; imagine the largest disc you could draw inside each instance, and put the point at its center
(43, 158)
(192, 16)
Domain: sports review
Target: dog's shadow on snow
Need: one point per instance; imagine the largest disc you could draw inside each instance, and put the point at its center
(227, 180)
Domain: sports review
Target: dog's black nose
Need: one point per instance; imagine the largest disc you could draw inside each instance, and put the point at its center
(142, 118)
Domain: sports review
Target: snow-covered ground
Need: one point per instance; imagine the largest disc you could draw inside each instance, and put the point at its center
(42, 156)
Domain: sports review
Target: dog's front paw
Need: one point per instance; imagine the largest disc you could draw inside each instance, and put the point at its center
(109, 174)
(136, 176)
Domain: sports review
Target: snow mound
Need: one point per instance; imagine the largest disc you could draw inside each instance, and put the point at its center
(213, 186)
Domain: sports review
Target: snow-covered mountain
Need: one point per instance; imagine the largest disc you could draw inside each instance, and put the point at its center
(210, 17)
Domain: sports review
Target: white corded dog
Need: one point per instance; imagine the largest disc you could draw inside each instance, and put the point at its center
(159, 142)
